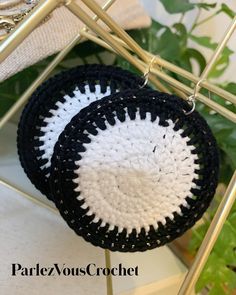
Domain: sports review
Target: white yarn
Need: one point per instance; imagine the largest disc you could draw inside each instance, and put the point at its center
(63, 115)
(135, 174)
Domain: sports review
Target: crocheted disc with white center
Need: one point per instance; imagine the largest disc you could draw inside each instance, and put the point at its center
(54, 104)
(132, 172)
(135, 167)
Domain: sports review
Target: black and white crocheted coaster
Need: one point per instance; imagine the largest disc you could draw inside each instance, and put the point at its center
(54, 104)
(132, 172)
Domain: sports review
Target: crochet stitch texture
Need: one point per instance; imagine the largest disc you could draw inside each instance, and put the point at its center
(54, 104)
(132, 172)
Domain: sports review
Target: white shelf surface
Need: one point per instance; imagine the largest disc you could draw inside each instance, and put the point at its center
(31, 234)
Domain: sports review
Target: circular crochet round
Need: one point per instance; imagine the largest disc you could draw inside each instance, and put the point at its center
(132, 172)
(54, 104)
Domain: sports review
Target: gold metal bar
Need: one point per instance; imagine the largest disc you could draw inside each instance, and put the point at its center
(173, 82)
(25, 27)
(171, 67)
(52, 65)
(217, 53)
(27, 196)
(156, 82)
(85, 18)
(54, 210)
(108, 278)
(219, 48)
(116, 28)
(73, 7)
(182, 87)
(193, 78)
(210, 238)
(27, 94)
(188, 75)
(102, 43)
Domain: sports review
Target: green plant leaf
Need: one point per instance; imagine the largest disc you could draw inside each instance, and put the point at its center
(200, 59)
(204, 41)
(185, 63)
(216, 290)
(6, 101)
(184, 6)
(225, 133)
(222, 63)
(85, 50)
(226, 168)
(227, 240)
(181, 31)
(197, 236)
(156, 26)
(223, 129)
(206, 6)
(232, 217)
(12, 88)
(216, 275)
(142, 37)
(225, 8)
(231, 87)
(164, 49)
(177, 6)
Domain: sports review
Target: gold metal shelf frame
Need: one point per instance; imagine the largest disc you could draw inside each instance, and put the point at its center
(118, 41)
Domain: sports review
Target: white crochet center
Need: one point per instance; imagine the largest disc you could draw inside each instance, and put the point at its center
(63, 115)
(135, 174)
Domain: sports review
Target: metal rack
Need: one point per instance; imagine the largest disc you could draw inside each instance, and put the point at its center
(118, 41)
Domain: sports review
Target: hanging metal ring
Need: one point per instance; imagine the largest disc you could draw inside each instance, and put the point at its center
(192, 98)
(147, 72)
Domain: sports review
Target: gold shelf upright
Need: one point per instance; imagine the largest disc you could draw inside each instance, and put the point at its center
(118, 41)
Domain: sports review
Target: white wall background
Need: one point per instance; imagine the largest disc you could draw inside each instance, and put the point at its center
(214, 28)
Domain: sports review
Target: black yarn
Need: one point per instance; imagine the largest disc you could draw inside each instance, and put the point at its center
(70, 148)
(45, 98)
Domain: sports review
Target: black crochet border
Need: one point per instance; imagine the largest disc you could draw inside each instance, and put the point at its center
(69, 149)
(45, 98)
